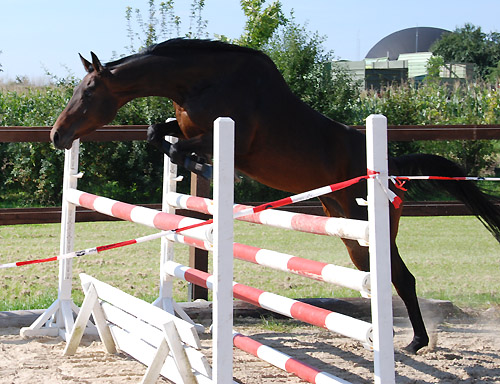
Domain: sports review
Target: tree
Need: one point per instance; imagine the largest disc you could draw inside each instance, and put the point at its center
(162, 23)
(308, 70)
(261, 23)
(469, 44)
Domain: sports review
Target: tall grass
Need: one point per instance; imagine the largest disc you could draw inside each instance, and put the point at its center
(452, 258)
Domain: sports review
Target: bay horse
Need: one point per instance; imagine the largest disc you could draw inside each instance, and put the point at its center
(279, 141)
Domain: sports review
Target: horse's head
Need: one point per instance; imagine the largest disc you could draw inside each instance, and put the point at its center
(93, 105)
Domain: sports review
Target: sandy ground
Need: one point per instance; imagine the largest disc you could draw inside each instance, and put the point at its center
(464, 350)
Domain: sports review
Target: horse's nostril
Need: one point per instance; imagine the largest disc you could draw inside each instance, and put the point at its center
(55, 138)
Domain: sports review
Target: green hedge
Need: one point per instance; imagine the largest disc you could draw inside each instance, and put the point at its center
(31, 172)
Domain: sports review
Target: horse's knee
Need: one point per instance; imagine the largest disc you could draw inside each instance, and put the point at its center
(156, 132)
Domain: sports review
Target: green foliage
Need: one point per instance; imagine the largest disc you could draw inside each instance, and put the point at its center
(434, 103)
(469, 44)
(162, 23)
(31, 173)
(307, 68)
(261, 23)
(434, 68)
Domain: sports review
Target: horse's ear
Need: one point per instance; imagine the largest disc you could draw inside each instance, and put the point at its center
(86, 64)
(96, 63)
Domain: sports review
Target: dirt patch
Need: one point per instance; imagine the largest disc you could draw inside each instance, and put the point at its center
(464, 350)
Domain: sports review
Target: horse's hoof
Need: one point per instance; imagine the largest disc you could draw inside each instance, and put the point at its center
(152, 134)
(416, 345)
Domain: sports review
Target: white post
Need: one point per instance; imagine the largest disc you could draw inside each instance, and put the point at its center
(165, 298)
(68, 216)
(59, 315)
(380, 250)
(223, 251)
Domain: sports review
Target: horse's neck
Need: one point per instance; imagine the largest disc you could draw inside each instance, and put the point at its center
(151, 76)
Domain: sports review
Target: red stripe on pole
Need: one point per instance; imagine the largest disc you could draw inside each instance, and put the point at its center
(197, 277)
(348, 183)
(246, 344)
(273, 204)
(194, 242)
(245, 252)
(115, 245)
(167, 221)
(21, 263)
(122, 210)
(196, 204)
(309, 314)
(249, 294)
(311, 224)
(87, 200)
(306, 267)
(302, 370)
(188, 227)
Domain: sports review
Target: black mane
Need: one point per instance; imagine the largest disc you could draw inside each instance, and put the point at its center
(166, 47)
(191, 44)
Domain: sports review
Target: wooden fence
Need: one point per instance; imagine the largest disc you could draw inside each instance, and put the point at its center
(11, 216)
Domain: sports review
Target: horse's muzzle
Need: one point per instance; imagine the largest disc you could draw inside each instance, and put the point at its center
(58, 141)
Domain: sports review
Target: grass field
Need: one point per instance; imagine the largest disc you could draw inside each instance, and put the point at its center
(453, 258)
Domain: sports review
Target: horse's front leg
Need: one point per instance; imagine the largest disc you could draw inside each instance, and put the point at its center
(193, 154)
(157, 132)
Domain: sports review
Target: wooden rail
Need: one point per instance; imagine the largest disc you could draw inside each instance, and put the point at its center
(138, 132)
(41, 134)
(441, 132)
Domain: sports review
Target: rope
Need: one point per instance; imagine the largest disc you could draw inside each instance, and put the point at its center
(393, 198)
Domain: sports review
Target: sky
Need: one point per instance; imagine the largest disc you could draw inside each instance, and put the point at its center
(37, 36)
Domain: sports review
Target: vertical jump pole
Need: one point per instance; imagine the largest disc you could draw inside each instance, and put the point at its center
(68, 218)
(165, 298)
(222, 343)
(380, 251)
(57, 320)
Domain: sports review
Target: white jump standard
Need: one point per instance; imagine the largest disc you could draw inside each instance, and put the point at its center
(58, 319)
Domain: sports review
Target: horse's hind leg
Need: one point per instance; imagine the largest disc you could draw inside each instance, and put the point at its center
(403, 281)
(405, 285)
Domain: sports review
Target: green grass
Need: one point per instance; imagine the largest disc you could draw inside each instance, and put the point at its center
(453, 258)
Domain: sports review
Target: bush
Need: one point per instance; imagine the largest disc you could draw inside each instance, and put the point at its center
(445, 104)
(31, 173)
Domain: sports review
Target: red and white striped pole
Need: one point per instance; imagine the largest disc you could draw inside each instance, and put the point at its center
(137, 214)
(336, 322)
(283, 361)
(319, 225)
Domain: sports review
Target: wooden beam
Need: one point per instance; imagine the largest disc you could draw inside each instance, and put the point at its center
(138, 132)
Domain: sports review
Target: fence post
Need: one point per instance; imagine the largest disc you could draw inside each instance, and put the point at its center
(380, 251)
(222, 343)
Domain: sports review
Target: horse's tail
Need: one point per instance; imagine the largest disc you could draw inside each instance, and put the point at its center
(480, 203)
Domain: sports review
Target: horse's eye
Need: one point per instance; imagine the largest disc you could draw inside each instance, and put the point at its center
(87, 93)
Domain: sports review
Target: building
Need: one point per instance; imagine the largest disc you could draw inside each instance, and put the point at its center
(403, 56)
